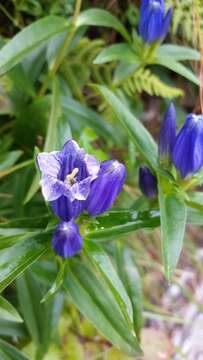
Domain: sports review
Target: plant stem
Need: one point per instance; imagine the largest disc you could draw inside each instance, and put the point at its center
(63, 49)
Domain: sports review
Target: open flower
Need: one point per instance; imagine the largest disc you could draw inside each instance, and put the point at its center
(188, 148)
(147, 182)
(154, 23)
(73, 181)
(66, 179)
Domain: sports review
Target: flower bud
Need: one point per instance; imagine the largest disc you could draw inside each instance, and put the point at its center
(188, 148)
(66, 240)
(106, 187)
(154, 24)
(147, 182)
(167, 135)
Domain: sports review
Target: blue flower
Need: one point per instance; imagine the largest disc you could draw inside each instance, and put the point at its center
(73, 181)
(67, 240)
(188, 148)
(106, 187)
(66, 179)
(167, 135)
(147, 182)
(154, 23)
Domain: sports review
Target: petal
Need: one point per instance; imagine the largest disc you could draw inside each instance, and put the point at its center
(52, 188)
(81, 190)
(106, 187)
(49, 163)
(93, 165)
(67, 240)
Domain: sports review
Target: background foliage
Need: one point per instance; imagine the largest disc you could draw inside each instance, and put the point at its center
(82, 71)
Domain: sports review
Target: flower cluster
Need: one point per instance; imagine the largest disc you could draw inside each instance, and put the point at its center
(73, 181)
(154, 23)
(184, 150)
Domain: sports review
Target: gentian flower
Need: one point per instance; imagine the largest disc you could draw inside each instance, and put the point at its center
(154, 23)
(66, 179)
(106, 187)
(147, 182)
(188, 148)
(167, 135)
(73, 181)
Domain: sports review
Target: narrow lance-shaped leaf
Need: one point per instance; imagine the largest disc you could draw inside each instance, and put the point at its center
(132, 282)
(15, 259)
(95, 302)
(8, 312)
(177, 68)
(28, 39)
(103, 264)
(51, 137)
(134, 127)
(9, 352)
(177, 52)
(100, 17)
(116, 52)
(121, 222)
(173, 213)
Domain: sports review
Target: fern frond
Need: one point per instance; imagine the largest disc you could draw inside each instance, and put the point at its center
(145, 80)
(183, 19)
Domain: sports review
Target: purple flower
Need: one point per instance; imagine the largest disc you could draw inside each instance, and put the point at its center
(147, 182)
(188, 148)
(154, 23)
(67, 240)
(66, 179)
(167, 135)
(106, 187)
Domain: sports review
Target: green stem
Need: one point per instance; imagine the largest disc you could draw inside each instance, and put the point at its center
(63, 49)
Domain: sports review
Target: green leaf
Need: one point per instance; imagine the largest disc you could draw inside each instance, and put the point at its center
(15, 259)
(21, 81)
(173, 215)
(116, 223)
(177, 68)
(41, 319)
(100, 17)
(57, 283)
(177, 52)
(8, 312)
(29, 294)
(132, 282)
(139, 135)
(92, 299)
(116, 52)
(9, 352)
(51, 136)
(85, 116)
(103, 264)
(9, 159)
(28, 39)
